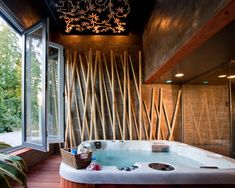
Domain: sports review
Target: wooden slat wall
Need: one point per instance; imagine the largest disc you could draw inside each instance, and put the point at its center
(206, 117)
(104, 100)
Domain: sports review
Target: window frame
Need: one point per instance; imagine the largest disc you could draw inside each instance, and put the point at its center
(44, 146)
(60, 94)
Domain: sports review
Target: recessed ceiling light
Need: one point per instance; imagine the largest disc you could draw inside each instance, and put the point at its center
(231, 76)
(222, 76)
(178, 75)
(205, 82)
(169, 81)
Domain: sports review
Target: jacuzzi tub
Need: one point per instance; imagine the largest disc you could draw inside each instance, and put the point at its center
(206, 168)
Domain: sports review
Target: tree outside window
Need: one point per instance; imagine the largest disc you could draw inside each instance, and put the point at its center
(10, 80)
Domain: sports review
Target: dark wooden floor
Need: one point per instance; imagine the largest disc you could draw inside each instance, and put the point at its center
(45, 174)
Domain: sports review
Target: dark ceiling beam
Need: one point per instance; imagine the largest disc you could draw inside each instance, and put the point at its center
(214, 25)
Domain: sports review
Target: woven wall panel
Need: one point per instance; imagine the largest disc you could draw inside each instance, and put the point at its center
(206, 117)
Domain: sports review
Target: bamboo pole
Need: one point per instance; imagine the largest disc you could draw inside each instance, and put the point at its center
(217, 112)
(73, 83)
(108, 105)
(113, 96)
(148, 118)
(77, 111)
(66, 129)
(129, 102)
(200, 117)
(72, 86)
(140, 96)
(90, 61)
(121, 92)
(93, 106)
(124, 96)
(96, 100)
(133, 73)
(81, 93)
(110, 85)
(120, 89)
(93, 112)
(161, 131)
(102, 97)
(68, 102)
(70, 95)
(195, 122)
(151, 113)
(86, 93)
(135, 121)
(98, 105)
(160, 114)
(166, 117)
(107, 99)
(208, 116)
(174, 115)
(83, 69)
(144, 126)
(119, 81)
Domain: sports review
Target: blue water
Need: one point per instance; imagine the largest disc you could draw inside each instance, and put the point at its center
(127, 158)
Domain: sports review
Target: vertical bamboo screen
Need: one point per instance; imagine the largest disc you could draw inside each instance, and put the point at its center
(104, 100)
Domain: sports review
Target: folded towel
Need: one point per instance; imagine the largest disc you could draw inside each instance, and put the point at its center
(94, 166)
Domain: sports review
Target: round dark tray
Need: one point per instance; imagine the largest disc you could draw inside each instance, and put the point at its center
(161, 166)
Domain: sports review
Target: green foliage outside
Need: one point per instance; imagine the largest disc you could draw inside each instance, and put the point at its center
(35, 84)
(10, 79)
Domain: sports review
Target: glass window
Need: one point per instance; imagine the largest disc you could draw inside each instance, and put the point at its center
(55, 80)
(35, 86)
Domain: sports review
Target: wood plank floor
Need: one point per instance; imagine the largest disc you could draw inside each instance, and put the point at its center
(45, 174)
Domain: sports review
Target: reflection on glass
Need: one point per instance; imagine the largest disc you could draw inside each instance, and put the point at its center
(34, 69)
(52, 93)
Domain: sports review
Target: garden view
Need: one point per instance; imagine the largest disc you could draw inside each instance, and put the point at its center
(10, 80)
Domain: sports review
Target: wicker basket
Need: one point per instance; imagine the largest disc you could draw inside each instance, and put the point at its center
(75, 161)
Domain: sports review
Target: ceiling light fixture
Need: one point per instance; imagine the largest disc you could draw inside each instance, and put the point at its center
(169, 81)
(205, 82)
(231, 77)
(178, 75)
(88, 16)
(222, 76)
